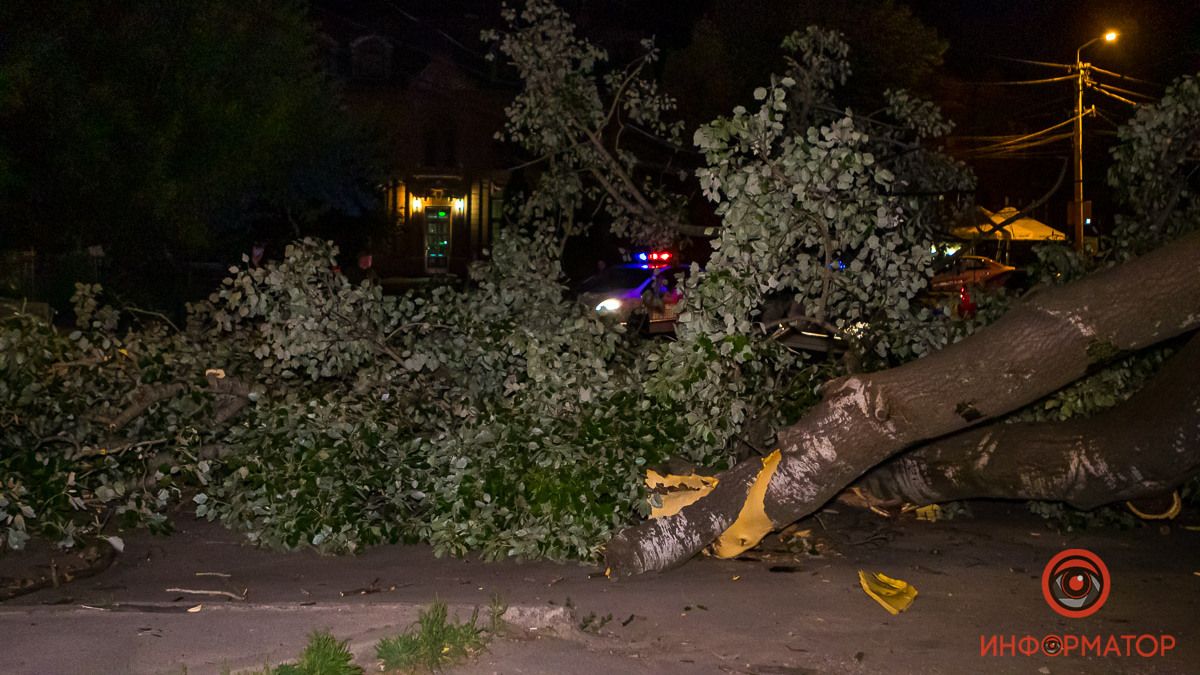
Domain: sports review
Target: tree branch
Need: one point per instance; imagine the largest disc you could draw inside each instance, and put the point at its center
(1041, 345)
(1140, 448)
(1030, 207)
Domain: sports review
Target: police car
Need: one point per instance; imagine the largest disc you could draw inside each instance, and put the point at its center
(643, 294)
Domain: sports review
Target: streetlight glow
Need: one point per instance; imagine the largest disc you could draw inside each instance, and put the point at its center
(1110, 36)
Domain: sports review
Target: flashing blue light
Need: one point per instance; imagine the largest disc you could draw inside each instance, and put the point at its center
(641, 256)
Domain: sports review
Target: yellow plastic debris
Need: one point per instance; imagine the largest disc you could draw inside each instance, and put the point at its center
(752, 523)
(796, 534)
(1176, 507)
(893, 595)
(692, 488)
(931, 512)
(879, 512)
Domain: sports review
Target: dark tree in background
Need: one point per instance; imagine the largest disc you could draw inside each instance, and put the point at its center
(167, 130)
(735, 47)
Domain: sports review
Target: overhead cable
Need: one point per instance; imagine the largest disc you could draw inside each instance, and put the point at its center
(1128, 92)
(1103, 90)
(1016, 148)
(1046, 80)
(1119, 76)
(1020, 139)
(1048, 64)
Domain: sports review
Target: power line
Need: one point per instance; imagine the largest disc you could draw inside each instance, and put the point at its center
(1119, 76)
(1048, 64)
(1023, 82)
(986, 153)
(1020, 139)
(1130, 92)
(1103, 90)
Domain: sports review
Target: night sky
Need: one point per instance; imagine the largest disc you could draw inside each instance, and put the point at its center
(1160, 38)
(1159, 41)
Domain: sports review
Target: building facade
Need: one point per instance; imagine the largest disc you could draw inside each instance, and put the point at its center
(420, 81)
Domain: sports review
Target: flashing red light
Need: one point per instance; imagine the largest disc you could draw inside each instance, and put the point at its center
(660, 256)
(966, 306)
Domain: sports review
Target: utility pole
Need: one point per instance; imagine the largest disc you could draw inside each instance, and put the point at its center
(1077, 204)
(1081, 79)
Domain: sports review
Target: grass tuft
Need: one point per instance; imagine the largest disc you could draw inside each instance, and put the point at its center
(433, 642)
(324, 655)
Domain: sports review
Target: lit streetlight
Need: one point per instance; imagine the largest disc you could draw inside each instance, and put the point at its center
(1081, 78)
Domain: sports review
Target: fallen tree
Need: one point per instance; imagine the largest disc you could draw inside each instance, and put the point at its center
(1045, 342)
(1142, 448)
(507, 419)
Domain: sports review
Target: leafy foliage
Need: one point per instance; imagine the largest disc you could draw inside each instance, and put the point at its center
(481, 420)
(1066, 518)
(813, 210)
(571, 115)
(69, 464)
(1155, 171)
(305, 410)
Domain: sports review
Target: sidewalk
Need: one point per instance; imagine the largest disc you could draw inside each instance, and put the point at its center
(780, 613)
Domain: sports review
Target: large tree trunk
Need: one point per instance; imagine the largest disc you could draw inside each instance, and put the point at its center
(1047, 341)
(1143, 447)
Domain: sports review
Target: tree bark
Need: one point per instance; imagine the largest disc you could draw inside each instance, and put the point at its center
(1143, 447)
(1045, 342)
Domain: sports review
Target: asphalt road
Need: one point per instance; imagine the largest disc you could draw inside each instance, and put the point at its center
(776, 612)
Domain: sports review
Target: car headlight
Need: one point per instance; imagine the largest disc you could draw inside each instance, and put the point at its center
(609, 305)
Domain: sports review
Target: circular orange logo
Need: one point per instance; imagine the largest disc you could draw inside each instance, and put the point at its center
(1075, 583)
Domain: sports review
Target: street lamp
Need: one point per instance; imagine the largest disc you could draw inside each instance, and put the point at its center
(1081, 78)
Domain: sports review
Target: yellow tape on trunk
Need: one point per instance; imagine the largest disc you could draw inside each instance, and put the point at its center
(752, 523)
(689, 490)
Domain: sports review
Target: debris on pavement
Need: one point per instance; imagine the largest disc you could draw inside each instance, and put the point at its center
(894, 595)
(930, 512)
(1153, 509)
(369, 589)
(202, 591)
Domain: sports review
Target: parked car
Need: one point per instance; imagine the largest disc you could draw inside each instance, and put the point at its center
(643, 294)
(809, 338)
(801, 334)
(966, 271)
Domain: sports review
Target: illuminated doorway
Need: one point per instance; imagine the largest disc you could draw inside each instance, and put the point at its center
(437, 238)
